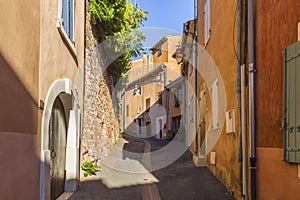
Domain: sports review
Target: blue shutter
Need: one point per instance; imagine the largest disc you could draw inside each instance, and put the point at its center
(71, 35)
(65, 15)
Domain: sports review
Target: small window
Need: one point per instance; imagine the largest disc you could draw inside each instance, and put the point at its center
(147, 103)
(68, 18)
(192, 110)
(127, 110)
(206, 22)
(214, 97)
(177, 91)
(138, 91)
(179, 94)
(65, 23)
(158, 78)
(159, 101)
(159, 52)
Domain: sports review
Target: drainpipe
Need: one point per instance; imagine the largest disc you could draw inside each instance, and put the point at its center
(196, 84)
(124, 110)
(238, 74)
(244, 134)
(252, 99)
(241, 109)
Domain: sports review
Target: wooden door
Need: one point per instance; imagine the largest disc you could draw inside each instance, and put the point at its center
(57, 140)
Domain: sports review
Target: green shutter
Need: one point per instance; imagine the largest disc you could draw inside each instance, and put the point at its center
(292, 104)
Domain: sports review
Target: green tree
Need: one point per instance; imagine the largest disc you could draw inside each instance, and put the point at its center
(116, 22)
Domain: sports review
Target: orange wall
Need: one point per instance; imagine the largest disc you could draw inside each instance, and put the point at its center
(276, 179)
(276, 28)
(19, 89)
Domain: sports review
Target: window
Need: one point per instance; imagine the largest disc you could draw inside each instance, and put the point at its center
(176, 121)
(192, 110)
(179, 94)
(127, 110)
(159, 101)
(177, 91)
(291, 125)
(206, 22)
(159, 52)
(158, 78)
(137, 91)
(65, 22)
(215, 115)
(68, 17)
(147, 103)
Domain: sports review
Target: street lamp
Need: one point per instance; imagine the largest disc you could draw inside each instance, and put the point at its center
(178, 55)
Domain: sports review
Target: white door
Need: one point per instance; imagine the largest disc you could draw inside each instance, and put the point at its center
(159, 127)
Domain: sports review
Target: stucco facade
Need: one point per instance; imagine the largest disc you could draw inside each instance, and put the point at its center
(275, 28)
(216, 68)
(38, 67)
(142, 104)
(174, 105)
(276, 179)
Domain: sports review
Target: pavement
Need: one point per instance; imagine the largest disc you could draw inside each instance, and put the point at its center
(127, 175)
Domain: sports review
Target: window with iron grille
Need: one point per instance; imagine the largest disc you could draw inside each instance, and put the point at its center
(291, 124)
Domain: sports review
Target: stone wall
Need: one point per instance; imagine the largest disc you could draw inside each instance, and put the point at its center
(100, 124)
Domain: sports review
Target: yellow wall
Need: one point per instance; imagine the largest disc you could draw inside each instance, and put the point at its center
(220, 48)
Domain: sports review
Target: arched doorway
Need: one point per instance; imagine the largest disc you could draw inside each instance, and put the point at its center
(57, 147)
(59, 170)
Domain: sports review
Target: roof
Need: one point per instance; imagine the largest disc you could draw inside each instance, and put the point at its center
(163, 40)
(154, 72)
(175, 82)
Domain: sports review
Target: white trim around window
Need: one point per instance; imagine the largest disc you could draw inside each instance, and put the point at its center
(61, 29)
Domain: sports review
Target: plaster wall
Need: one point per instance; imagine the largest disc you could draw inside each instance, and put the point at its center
(221, 50)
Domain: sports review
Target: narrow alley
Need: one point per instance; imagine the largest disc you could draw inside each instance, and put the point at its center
(180, 180)
(150, 99)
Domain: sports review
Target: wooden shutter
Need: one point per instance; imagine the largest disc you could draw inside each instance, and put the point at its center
(292, 104)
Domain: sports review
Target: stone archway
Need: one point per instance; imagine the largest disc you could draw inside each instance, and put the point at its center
(59, 102)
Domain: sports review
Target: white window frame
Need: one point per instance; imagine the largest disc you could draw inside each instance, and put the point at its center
(138, 90)
(206, 22)
(62, 31)
(215, 108)
(179, 93)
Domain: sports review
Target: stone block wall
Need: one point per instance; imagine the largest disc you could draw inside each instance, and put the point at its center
(100, 124)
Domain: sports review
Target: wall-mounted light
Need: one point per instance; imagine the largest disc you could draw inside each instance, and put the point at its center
(178, 55)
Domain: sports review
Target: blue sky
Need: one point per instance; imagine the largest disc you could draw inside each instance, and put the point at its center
(165, 17)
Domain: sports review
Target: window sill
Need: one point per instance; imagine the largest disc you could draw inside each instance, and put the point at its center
(66, 38)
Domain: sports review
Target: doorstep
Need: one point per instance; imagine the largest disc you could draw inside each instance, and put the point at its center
(199, 160)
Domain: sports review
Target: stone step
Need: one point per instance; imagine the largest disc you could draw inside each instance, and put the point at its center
(199, 160)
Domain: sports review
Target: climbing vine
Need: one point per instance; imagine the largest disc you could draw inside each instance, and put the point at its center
(118, 19)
